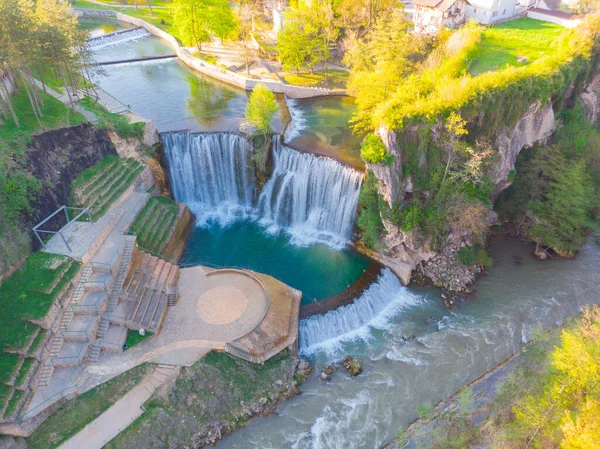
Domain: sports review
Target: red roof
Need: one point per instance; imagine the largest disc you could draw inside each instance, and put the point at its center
(441, 5)
(555, 13)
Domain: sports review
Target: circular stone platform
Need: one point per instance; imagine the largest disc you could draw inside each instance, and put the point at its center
(221, 305)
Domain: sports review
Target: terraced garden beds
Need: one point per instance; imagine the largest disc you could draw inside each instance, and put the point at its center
(155, 223)
(101, 185)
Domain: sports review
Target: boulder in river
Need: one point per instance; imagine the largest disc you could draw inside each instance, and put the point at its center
(354, 366)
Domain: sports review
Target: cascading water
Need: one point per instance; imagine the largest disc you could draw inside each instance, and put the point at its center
(383, 299)
(298, 120)
(315, 198)
(117, 37)
(211, 173)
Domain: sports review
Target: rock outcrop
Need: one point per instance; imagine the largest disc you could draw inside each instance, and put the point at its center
(407, 250)
(589, 98)
(536, 126)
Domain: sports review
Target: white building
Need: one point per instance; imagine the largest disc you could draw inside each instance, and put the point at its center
(490, 11)
(430, 16)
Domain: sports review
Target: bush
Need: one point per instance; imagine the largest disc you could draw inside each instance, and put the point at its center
(472, 255)
(410, 218)
(373, 151)
(369, 217)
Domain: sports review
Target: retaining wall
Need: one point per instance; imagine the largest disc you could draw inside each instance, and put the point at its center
(212, 70)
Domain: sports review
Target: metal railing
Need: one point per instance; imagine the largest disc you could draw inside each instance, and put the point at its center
(37, 230)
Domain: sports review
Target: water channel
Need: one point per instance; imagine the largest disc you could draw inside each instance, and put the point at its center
(414, 350)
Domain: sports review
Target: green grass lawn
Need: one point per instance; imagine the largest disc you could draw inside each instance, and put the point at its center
(337, 79)
(502, 44)
(29, 293)
(8, 366)
(74, 415)
(134, 337)
(113, 122)
(55, 115)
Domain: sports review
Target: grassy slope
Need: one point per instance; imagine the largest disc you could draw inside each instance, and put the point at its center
(25, 295)
(212, 389)
(55, 115)
(337, 78)
(74, 415)
(502, 44)
(154, 238)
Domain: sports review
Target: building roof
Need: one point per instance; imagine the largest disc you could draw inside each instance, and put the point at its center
(441, 5)
(558, 14)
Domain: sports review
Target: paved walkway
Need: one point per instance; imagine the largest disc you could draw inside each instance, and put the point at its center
(213, 309)
(64, 98)
(82, 236)
(122, 413)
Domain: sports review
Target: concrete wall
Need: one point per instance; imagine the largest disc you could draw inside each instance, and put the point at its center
(212, 70)
(567, 23)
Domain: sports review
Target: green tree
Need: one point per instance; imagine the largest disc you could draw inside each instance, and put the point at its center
(221, 21)
(562, 220)
(261, 108)
(369, 216)
(306, 36)
(373, 151)
(191, 18)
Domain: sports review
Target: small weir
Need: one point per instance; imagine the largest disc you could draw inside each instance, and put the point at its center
(298, 121)
(382, 299)
(117, 37)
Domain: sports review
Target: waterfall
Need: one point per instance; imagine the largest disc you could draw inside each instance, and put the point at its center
(374, 308)
(298, 120)
(117, 37)
(314, 197)
(211, 173)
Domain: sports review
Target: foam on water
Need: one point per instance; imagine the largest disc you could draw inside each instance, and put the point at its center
(373, 309)
(298, 122)
(117, 38)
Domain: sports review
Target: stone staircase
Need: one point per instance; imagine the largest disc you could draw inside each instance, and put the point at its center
(149, 289)
(118, 282)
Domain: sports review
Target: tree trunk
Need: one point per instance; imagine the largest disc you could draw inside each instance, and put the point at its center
(150, 6)
(9, 104)
(32, 101)
(136, 5)
(27, 80)
(67, 88)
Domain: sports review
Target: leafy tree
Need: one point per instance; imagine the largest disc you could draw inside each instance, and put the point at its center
(261, 108)
(379, 62)
(373, 151)
(361, 15)
(369, 216)
(307, 35)
(190, 17)
(220, 19)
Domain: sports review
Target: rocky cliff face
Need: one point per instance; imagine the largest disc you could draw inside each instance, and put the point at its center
(407, 250)
(56, 158)
(536, 126)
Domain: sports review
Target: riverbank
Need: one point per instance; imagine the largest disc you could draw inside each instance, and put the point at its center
(206, 68)
(520, 401)
(212, 398)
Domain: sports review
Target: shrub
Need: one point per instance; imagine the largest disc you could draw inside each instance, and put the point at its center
(472, 255)
(373, 151)
(410, 218)
(369, 217)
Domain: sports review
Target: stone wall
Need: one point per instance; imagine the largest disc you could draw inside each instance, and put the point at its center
(212, 70)
(176, 242)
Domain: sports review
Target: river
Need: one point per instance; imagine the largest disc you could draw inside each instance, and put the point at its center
(518, 297)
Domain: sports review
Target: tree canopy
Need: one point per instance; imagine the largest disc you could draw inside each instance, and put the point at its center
(197, 20)
(261, 108)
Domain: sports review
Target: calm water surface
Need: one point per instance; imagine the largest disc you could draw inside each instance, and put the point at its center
(316, 270)
(170, 93)
(322, 127)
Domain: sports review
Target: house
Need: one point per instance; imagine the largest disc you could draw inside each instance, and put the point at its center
(430, 16)
(565, 19)
(490, 11)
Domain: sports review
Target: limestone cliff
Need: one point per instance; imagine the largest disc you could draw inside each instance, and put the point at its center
(407, 250)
